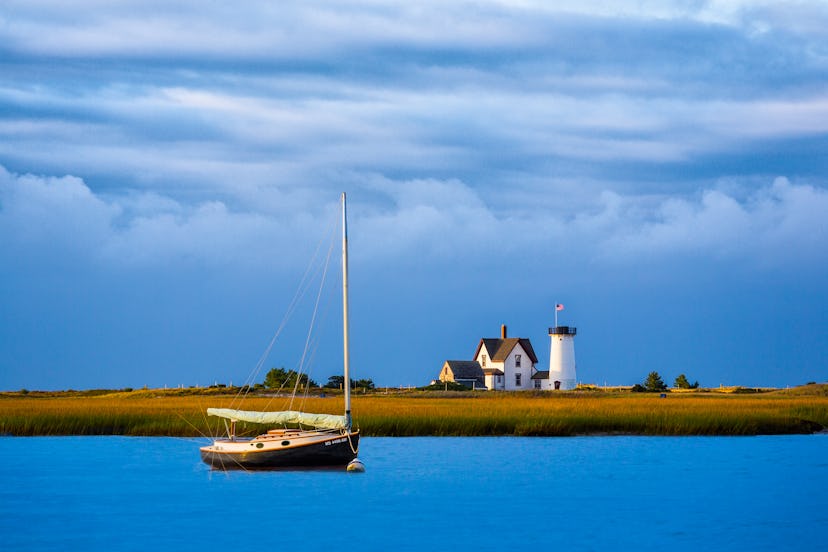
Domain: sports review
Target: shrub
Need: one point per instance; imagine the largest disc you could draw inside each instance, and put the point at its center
(654, 383)
(278, 378)
(683, 383)
(445, 386)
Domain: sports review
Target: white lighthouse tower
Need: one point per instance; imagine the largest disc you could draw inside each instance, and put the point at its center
(561, 355)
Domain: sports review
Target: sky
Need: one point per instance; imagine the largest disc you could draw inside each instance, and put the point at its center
(168, 170)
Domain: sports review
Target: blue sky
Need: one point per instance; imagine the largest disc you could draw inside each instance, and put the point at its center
(168, 168)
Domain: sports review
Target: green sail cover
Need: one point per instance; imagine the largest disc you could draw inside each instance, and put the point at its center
(324, 421)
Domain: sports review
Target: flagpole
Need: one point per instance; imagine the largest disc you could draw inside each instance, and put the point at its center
(556, 314)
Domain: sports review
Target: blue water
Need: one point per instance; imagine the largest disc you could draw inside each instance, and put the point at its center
(582, 493)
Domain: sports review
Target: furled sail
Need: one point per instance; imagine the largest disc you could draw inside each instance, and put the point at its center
(323, 421)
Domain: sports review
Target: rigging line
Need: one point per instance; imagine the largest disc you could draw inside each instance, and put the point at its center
(275, 394)
(326, 311)
(308, 278)
(313, 319)
(298, 373)
(206, 420)
(193, 426)
(306, 389)
(305, 360)
(302, 288)
(314, 346)
(307, 386)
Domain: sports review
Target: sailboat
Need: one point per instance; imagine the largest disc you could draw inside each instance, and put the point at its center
(319, 439)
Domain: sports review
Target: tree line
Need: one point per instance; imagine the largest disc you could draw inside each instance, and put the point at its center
(279, 378)
(654, 384)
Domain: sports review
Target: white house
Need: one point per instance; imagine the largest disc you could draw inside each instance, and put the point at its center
(501, 364)
(508, 363)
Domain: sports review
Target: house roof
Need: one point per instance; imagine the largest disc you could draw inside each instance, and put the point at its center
(465, 369)
(499, 349)
(493, 371)
(541, 375)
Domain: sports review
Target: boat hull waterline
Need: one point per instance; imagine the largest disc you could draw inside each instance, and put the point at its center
(289, 450)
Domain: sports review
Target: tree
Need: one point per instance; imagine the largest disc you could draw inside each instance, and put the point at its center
(654, 383)
(682, 383)
(363, 383)
(278, 378)
(335, 382)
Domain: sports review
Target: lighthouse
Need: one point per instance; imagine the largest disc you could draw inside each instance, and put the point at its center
(561, 355)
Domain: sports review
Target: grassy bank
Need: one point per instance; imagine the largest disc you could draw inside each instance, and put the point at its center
(156, 412)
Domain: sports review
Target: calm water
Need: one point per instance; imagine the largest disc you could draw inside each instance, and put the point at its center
(583, 493)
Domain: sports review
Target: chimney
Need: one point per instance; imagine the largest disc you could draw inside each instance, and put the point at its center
(503, 331)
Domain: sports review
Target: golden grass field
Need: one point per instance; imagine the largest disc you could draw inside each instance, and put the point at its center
(172, 413)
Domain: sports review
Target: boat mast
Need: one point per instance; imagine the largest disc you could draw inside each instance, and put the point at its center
(346, 359)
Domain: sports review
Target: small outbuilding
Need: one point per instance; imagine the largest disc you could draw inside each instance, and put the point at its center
(466, 372)
(539, 378)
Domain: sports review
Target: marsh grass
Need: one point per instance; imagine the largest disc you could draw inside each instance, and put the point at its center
(524, 414)
(572, 414)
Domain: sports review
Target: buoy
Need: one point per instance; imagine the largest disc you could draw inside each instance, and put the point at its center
(355, 465)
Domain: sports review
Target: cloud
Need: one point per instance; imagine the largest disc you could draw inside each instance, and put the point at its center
(295, 28)
(773, 226)
(52, 212)
(62, 218)
(735, 121)
(201, 101)
(429, 219)
(414, 221)
(777, 225)
(213, 134)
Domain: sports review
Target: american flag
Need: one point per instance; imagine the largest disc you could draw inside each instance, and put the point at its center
(558, 307)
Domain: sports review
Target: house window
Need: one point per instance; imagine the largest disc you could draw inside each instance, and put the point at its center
(483, 361)
(517, 361)
(537, 384)
(517, 380)
(499, 379)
